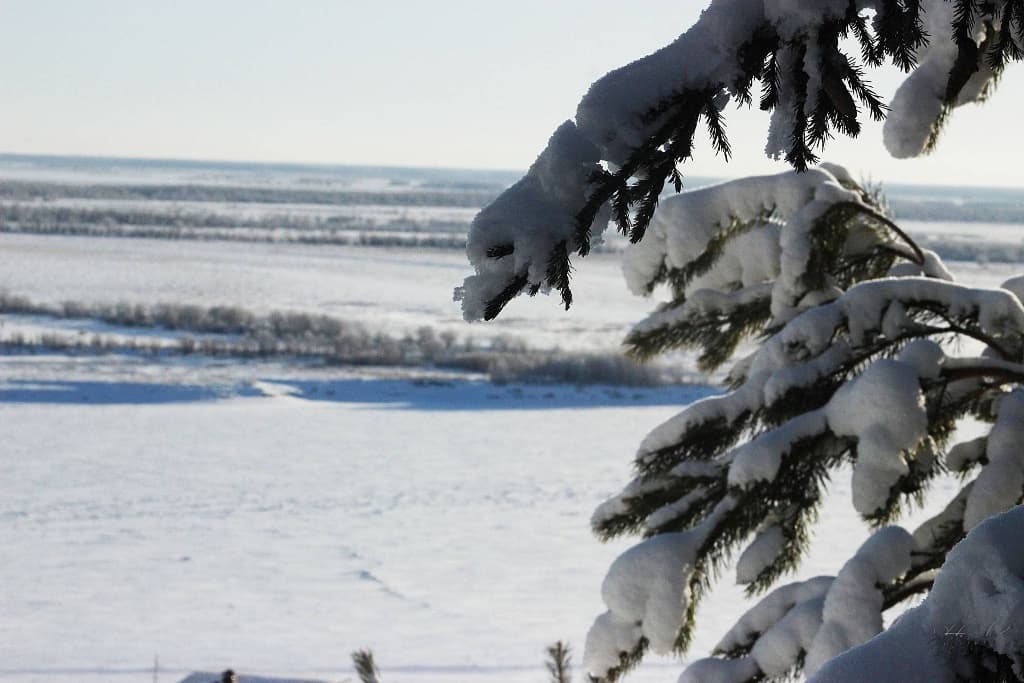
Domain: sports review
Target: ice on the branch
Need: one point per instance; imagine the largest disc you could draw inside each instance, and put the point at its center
(1001, 481)
(862, 309)
(777, 631)
(852, 613)
(729, 408)
(531, 217)
(760, 554)
(975, 610)
(884, 410)
(749, 259)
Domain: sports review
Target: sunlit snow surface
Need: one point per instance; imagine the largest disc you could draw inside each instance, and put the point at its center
(276, 526)
(279, 528)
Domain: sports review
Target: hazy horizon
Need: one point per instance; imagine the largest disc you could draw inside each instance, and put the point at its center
(513, 173)
(446, 84)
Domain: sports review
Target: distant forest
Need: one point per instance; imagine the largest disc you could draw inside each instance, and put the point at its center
(235, 332)
(415, 208)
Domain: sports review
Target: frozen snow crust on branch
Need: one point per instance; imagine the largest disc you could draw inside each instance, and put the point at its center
(636, 124)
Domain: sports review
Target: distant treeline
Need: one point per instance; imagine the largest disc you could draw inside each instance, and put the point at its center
(957, 212)
(368, 238)
(456, 197)
(197, 225)
(233, 331)
(975, 250)
(948, 249)
(47, 217)
(448, 194)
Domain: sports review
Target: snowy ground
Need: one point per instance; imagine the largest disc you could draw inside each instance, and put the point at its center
(276, 525)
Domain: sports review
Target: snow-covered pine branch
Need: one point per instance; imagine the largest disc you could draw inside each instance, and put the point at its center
(851, 368)
(635, 125)
(753, 253)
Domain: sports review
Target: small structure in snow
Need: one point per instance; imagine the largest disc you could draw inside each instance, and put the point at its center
(210, 677)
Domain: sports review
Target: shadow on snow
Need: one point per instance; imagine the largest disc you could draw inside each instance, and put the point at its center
(397, 394)
(114, 393)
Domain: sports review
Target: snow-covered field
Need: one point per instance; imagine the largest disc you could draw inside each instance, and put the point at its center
(272, 517)
(274, 526)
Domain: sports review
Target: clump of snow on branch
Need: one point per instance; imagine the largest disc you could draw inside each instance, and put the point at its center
(814, 619)
(645, 591)
(972, 616)
(919, 104)
(884, 410)
(530, 218)
(759, 620)
(1001, 481)
(685, 224)
(852, 612)
(760, 553)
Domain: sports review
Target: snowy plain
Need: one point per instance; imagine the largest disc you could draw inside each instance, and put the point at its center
(272, 517)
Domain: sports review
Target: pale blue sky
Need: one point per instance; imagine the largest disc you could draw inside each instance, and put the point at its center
(451, 83)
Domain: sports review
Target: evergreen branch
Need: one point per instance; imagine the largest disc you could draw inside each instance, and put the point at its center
(905, 590)
(366, 668)
(919, 257)
(627, 662)
(716, 334)
(559, 271)
(799, 154)
(771, 84)
(687, 106)
(1004, 375)
(953, 327)
(716, 128)
(496, 304)
(558, 663)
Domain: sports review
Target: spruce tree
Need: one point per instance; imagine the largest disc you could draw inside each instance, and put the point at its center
(853, 324)
(866, 353)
